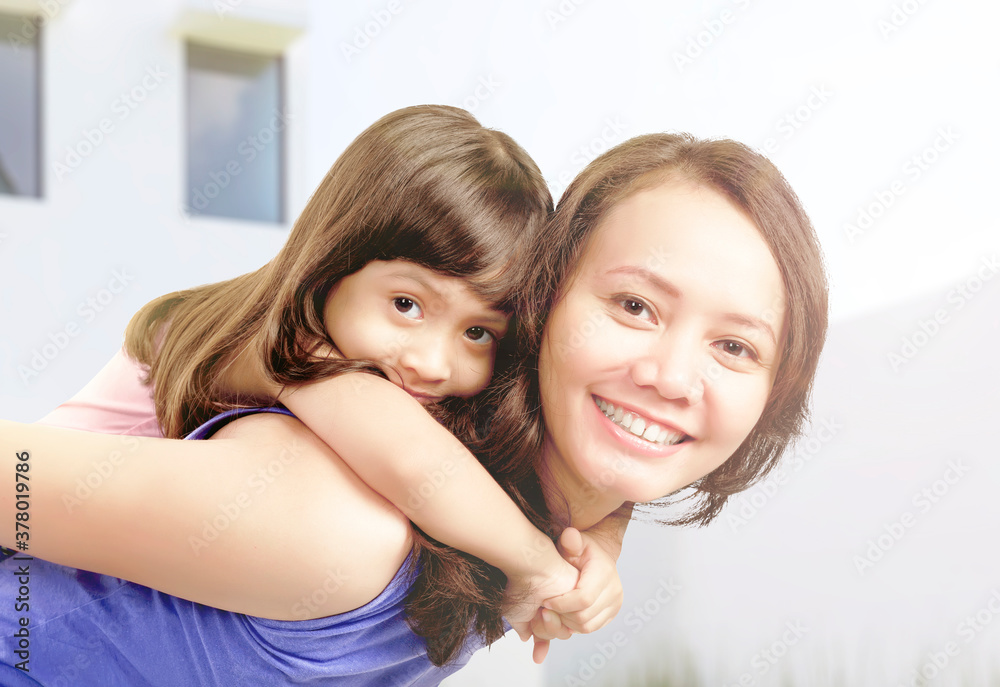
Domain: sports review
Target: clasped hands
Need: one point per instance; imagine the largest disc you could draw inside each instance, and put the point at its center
(594, 598)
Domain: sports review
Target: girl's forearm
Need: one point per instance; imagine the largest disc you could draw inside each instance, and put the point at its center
(415, 463)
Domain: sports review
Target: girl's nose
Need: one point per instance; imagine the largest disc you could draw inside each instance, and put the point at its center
(427, 359)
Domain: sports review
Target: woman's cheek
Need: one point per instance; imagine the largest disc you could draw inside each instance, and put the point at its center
(739, 401)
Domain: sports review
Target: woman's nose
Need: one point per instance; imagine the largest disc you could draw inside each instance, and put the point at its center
(673, 369)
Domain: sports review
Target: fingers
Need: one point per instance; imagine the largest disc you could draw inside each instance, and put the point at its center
(523, 630)
(570, 543)
(576, 601)
(585, 611)
(546, 626)
(540, 650)
(586, 626)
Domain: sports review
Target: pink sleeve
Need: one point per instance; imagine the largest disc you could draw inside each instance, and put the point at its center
(115, 401)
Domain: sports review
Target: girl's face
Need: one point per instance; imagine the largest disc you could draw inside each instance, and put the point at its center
(432, 334)
(659, 357)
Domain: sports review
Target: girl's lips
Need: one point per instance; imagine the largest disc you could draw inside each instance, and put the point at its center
(425, 399)
(638, 429)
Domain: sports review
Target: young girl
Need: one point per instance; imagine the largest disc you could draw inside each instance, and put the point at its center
(390, 299)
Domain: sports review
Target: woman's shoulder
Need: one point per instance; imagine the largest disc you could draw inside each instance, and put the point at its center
(321, 520)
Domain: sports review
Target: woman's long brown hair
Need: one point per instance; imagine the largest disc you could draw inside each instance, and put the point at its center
(426, 184)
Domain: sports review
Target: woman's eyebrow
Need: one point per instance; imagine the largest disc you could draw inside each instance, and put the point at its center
(752, 323)
(651, 277)
(672, 290)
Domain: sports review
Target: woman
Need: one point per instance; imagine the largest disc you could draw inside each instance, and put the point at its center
(679, 350)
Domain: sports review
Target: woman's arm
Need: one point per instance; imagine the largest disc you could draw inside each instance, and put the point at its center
(257, 521)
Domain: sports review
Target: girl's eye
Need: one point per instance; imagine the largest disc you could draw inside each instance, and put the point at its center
(635, 307)
(737, 350)
(407, 308)
(479, 335)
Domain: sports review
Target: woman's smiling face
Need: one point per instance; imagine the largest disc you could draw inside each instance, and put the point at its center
(659, 357)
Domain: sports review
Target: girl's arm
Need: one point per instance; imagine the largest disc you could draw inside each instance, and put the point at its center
(401, 452)
(257, 521)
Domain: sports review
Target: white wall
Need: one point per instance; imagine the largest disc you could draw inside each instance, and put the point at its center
(566, 78)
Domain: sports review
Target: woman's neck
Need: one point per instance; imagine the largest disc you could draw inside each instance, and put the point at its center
(570, 500)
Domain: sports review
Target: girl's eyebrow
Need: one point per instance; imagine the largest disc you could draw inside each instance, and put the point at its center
(419, 280)
(671, 289)
(492, 317)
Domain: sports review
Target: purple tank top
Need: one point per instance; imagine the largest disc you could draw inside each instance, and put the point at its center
(86, 629)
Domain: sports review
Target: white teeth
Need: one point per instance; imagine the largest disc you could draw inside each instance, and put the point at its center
(639, 426)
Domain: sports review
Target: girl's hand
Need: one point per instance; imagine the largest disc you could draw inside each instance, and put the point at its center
(598, 595)
(552, 576)
(546, 626)
(591, 605)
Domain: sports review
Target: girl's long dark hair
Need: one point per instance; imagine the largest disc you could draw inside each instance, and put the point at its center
(426, 184)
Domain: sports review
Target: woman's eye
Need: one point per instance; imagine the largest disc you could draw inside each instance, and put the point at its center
(737, 350)
(635, 307)
(479, 335)
(407, 308)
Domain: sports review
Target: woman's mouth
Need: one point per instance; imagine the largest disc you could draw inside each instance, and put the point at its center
(638, 425)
